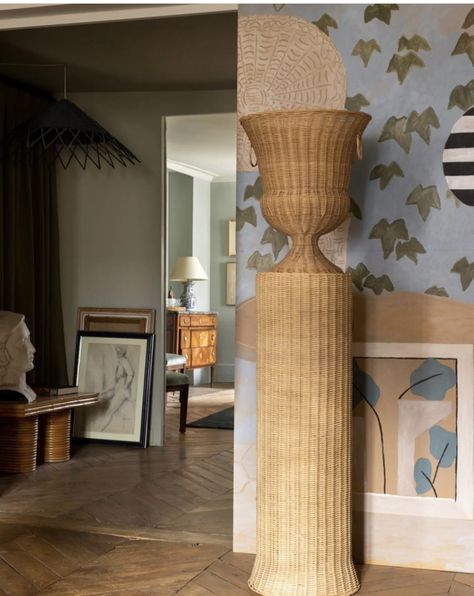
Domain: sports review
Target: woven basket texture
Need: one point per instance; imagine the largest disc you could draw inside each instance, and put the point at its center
(304, 435)
(305, 159)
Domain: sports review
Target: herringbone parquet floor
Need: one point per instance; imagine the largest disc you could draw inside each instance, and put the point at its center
(123, 521)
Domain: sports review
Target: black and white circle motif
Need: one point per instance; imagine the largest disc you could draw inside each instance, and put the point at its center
(458, 159)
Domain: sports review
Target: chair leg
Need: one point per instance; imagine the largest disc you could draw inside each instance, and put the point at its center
(183, 411)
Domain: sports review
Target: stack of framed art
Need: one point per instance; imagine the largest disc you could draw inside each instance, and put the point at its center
(114, 355)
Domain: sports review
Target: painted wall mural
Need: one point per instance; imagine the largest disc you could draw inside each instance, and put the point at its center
(404, 425)
(408, 246)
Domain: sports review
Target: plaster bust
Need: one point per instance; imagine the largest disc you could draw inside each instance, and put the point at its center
(16, 354)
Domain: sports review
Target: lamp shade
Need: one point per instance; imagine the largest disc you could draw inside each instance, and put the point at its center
(71, 134)
(188, 268)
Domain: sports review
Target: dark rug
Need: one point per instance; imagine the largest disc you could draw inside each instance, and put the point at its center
(223, 419)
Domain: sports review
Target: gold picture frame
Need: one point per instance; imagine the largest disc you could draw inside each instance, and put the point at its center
(231, 284)
(116, 320)
(232, 230)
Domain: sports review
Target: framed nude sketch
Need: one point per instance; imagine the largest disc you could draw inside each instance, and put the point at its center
(126, 320)
(117, 366)
(232, 247)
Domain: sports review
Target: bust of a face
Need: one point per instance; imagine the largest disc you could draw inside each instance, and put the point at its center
(16, 353)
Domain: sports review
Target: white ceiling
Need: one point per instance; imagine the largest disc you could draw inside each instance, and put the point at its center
(203, 146)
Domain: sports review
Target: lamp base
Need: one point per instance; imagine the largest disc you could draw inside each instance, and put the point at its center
(188, 299)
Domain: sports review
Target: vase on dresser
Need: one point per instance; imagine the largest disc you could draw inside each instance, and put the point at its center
(304, 369)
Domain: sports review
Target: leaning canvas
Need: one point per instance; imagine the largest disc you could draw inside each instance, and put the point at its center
(118, 367)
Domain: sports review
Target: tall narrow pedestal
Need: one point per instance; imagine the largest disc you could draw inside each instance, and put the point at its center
(304, 310)
(303, 445)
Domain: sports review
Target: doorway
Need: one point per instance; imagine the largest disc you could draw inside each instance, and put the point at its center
(200, 326)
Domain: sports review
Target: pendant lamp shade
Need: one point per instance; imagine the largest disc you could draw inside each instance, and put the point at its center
(71, 135)
(188, 269)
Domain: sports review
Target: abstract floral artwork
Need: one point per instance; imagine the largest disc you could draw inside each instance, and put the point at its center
(405, 426)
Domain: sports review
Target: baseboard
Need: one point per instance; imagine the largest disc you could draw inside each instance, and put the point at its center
(224, 373)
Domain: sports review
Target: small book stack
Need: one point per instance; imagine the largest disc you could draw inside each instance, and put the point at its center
(63, 390)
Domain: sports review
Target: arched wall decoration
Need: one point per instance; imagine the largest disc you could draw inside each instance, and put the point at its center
(287, 63)
(284, 63)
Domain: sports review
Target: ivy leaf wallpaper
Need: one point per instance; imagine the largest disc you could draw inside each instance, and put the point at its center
(356, 102)
(462, 96)
(421, 123)
(386, 173)
(465, 45)
(383, 12)
(437, 291)
(402, 65)
(364, 49)
(410, 249)
(355, 209)
(324, 23)
(276, 239)
(388, 234)
(424, 199)
(260, 262)
(248, 215)
(395, 129)
(469, 20)
(254, 190)
(415, 43)
(465, 269)
(358, 275)
(379, 284)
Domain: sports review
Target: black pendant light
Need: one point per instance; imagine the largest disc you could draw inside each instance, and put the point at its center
(69, 134)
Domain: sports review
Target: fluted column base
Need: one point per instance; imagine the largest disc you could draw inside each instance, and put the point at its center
(18, 444)
(55, 436)
(304, 436)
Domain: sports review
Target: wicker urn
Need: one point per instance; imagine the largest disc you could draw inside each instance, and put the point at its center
(304, 360)
(305, 159)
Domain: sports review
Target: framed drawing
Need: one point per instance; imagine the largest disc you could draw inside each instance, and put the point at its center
(121, 320)
(232, 247)
(413, 454)
(118, 366)
(231, 283)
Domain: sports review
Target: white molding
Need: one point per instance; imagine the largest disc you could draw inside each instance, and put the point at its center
(189, 170)
(15, 16)
(224, 179)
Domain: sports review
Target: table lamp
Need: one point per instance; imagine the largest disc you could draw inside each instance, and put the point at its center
(188, 270)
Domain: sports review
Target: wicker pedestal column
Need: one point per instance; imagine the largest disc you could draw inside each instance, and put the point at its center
(304, 315)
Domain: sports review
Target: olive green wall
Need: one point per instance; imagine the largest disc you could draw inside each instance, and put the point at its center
(180, 223)
(111, 220)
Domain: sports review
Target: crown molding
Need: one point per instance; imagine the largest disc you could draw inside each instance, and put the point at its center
(189, 170)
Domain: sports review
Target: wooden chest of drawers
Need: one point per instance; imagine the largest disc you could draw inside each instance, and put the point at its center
(194, 335)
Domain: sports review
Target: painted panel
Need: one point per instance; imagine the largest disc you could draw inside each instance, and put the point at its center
(408, 246)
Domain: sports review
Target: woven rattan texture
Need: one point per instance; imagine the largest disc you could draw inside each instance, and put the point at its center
(304, 436)
(305, 160)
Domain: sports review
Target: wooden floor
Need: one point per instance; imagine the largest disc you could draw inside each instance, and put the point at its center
(120, 520)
